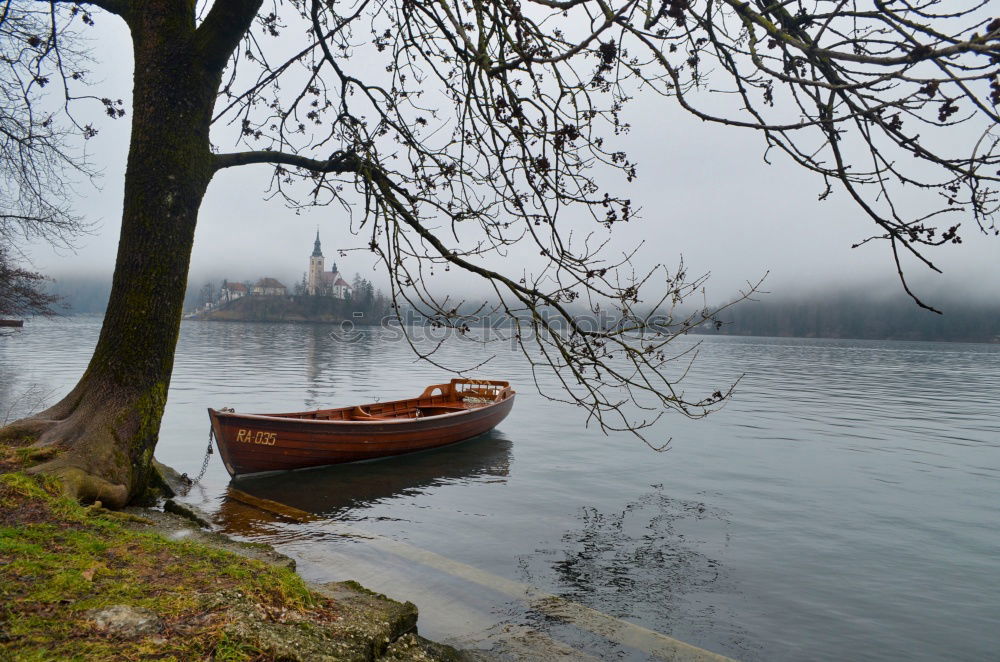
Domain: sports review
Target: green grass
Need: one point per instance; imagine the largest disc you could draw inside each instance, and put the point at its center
(60, 560)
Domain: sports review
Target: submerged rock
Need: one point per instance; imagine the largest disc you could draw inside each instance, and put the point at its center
(367, 626)
(371, 620)
(414, 648)
(188, 511)
(171, 482)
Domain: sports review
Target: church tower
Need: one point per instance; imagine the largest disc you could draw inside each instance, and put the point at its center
(315, 283)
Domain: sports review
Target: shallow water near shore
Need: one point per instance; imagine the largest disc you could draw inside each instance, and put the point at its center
(844, 504)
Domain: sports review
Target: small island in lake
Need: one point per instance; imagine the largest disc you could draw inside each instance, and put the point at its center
(321, 296)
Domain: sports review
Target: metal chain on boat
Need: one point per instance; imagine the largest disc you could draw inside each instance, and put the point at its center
(204, 465)
(208, 456)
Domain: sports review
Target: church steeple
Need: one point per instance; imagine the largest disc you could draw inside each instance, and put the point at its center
(315, 283)
(324, 283)
(317, 252)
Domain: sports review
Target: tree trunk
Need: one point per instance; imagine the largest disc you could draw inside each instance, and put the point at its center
(107, 427)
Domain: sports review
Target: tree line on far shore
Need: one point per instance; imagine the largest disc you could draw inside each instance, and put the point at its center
(88, 295)
(851, 316)
(832, 315)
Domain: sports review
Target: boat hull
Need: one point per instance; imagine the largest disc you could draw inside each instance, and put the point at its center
(251, 443)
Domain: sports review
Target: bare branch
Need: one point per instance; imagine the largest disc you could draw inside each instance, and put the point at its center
(118, 7)
(339, 163)
(21, 290)
(223, 28)
(453, 132)
(37, 166)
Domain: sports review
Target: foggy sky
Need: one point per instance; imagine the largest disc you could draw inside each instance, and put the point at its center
(704, 191)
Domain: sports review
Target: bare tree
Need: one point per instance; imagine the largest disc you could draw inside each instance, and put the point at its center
(207, 295)
(36, 165)
(453, 130)
(21, 290)
(37, 168)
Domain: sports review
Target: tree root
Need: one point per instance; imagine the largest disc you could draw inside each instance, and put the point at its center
(89, 461)
(24, 432)
(97, 509)
(83, 486)
(104, 433)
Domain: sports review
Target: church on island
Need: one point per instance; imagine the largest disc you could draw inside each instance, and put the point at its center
(324, 283)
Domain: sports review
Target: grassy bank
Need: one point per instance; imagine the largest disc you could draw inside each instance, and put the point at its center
(84, 583)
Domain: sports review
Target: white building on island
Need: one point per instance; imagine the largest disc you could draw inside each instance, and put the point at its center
(269, 287)
(325, 283)
(231, 291)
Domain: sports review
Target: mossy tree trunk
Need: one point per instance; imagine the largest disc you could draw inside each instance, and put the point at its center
(107, 426)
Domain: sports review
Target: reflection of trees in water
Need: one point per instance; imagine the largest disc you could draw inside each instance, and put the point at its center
(646, 563)
(635, 557)
(6, 396)
(18, 400)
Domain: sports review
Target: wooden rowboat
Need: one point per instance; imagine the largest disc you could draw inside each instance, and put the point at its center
(443, 414)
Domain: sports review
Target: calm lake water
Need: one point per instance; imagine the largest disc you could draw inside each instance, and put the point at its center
(844, 505)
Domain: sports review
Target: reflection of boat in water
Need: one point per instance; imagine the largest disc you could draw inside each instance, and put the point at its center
(334, 491)
(443, 414)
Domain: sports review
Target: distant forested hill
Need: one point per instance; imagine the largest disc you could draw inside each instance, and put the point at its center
(828, 315)
(81, 295)
(840, 316)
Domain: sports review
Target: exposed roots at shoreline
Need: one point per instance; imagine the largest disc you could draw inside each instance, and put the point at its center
(79, 446)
